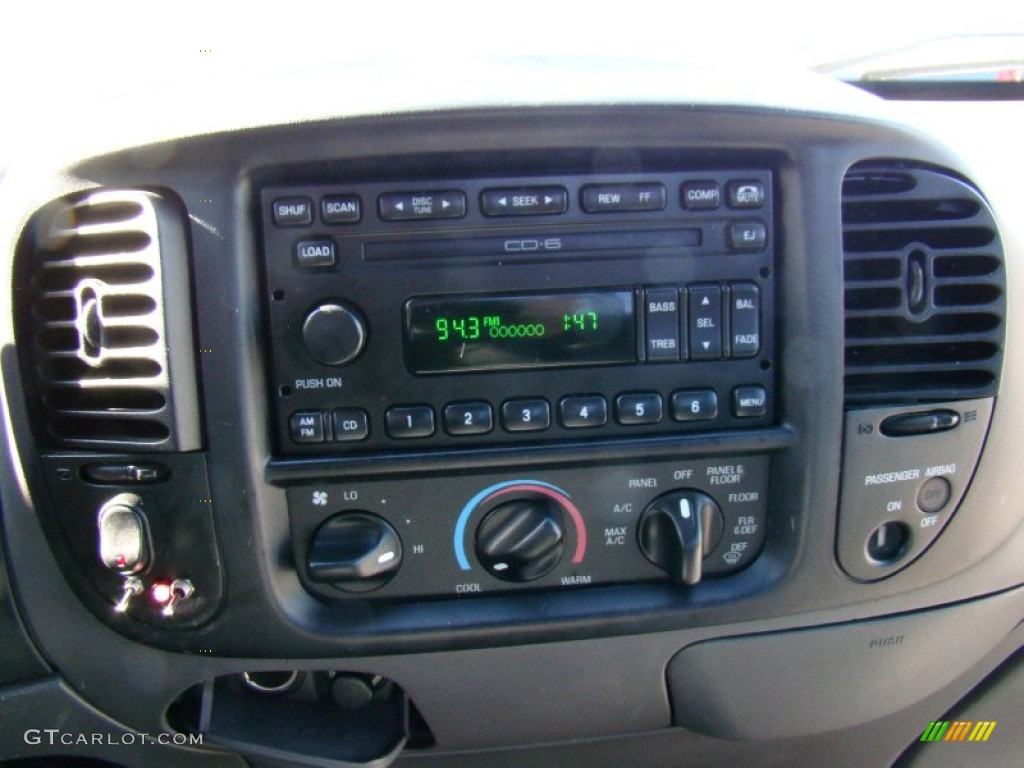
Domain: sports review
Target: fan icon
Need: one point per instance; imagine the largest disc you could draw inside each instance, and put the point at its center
(320, 498)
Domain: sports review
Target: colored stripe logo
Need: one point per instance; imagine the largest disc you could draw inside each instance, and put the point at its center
(958, 730)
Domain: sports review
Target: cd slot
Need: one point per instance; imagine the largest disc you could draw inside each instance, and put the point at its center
(634, 244)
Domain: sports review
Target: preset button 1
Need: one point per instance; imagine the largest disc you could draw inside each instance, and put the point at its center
(409, 421)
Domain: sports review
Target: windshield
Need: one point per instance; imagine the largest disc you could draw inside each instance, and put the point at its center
(62, 61)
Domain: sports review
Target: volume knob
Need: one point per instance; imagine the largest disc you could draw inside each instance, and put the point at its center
(334, 333)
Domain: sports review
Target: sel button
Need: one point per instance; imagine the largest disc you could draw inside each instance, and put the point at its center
(705, 322)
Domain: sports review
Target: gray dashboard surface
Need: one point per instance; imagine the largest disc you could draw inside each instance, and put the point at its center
(524, 683)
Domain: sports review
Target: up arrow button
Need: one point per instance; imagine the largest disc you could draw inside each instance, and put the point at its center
(705, 322)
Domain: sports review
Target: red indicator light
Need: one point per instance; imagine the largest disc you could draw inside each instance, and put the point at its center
(161, 592)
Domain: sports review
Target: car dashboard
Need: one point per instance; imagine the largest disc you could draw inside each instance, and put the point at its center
(635, 415)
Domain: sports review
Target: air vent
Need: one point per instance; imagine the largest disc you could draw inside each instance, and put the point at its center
(106, 366)
(924, 287)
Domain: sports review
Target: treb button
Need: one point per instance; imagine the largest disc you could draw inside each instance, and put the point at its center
(661, 321)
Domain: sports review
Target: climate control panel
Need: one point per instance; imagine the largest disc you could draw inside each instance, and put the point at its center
(678, 520)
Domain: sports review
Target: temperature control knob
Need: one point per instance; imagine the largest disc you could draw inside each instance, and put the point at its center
(521, 540)
(334, 333)
(356, 551)
(677, 530)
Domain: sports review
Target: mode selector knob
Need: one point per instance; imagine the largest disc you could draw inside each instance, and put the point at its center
(677, 530)
(334, 333)
(521, 540)
(355, 551)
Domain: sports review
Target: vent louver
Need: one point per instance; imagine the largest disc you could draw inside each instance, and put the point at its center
(96, 273)
(924, 287)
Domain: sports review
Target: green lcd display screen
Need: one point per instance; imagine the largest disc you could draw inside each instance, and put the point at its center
(476, 333)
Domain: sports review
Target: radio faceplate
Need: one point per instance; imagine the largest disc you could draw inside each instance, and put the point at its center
(377, 293)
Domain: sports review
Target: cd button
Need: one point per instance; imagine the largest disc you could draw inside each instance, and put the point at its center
(525, 415)
(408, 421)
(583, 412)
(524, 201)
(306, 426)
(641, 408)
(292, 211)
(694, 405)
(410, 206)
(468, 418)
(350, 424)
